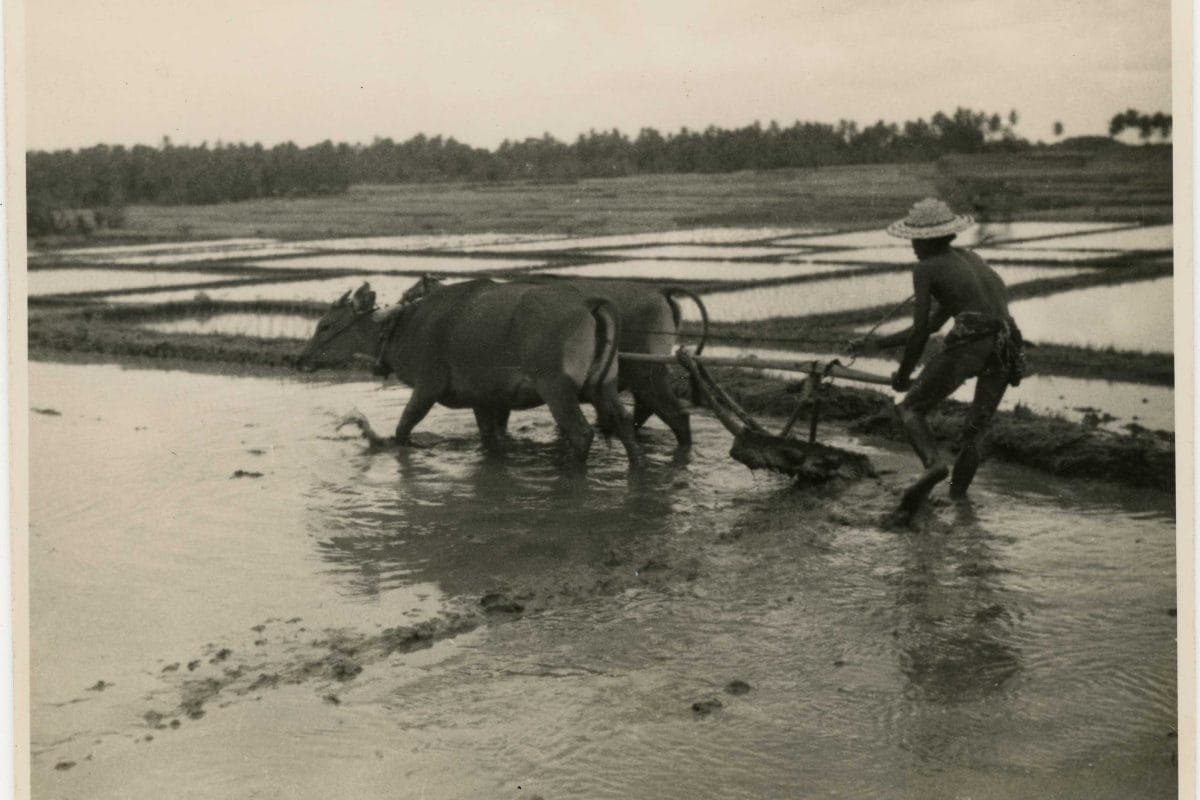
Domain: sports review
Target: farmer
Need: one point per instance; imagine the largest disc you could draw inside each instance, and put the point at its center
(984, 343)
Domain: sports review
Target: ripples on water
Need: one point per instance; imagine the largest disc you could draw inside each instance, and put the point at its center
(1022, 636)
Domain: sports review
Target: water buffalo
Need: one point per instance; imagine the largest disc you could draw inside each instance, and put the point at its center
(491, 347)
(649, 318)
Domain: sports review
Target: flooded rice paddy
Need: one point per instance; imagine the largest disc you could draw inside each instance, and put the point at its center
(230, 597)
(433, 241)
(687, 270)
(207, 245)
(692, 236)
(76, 281)
(981, 233)
(709, 252)
(1009, 255)
(904, 255)
(1130, 316)
(381, 262)
(260, 326)
(839, 294)
(1156, 237)
(388, 288)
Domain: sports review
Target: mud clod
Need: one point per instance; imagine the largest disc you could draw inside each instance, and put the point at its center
(221, 655)
(263, 681)
(259, 628)
(63, 766)
(497, 603)
(245, 473)
(332, 699)
(171, 667)
(737, 687)
(49, 412)
(344, 669)
(193, 664)
(100, 686)
(705, 707)
(153, 719)
(175, 724)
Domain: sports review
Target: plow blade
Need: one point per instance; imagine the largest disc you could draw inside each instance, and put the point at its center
(810, 462)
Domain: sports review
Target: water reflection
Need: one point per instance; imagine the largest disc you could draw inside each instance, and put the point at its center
(955, 635)
(473, 522)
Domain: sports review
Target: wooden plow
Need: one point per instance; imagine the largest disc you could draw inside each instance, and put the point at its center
(807, 460)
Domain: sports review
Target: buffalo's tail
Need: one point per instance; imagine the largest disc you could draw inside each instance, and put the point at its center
(608, 332)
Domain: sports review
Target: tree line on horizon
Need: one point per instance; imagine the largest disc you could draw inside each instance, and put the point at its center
(103, 179)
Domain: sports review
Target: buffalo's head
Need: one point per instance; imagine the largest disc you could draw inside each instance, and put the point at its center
(345, 330)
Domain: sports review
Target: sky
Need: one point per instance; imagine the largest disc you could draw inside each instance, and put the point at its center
(133, 71)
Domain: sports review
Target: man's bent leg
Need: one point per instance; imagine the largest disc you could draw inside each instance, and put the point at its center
(989, 391)
(937, 381)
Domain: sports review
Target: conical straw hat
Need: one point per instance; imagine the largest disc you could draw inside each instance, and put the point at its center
(930, 219)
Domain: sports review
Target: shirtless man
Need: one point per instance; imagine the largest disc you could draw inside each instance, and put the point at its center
(984, 343)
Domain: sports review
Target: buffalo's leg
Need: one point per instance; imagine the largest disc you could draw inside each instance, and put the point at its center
(492, 423)
(654, 396)
(418, 406)
(612, 418)
(989, 391)
(561, 394)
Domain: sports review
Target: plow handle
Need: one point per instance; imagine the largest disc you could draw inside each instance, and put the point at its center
(753, 362)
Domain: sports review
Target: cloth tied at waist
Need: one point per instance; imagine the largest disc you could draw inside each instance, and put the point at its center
(1008, 346)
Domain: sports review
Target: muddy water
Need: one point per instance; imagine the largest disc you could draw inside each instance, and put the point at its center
(1021, 646)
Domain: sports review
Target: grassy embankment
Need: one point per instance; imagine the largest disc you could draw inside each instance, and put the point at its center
(1122, 185)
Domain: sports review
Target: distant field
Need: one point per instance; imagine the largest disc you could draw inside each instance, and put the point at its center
(1127, 184)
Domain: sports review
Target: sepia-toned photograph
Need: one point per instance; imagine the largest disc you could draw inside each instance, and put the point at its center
(596, 399)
